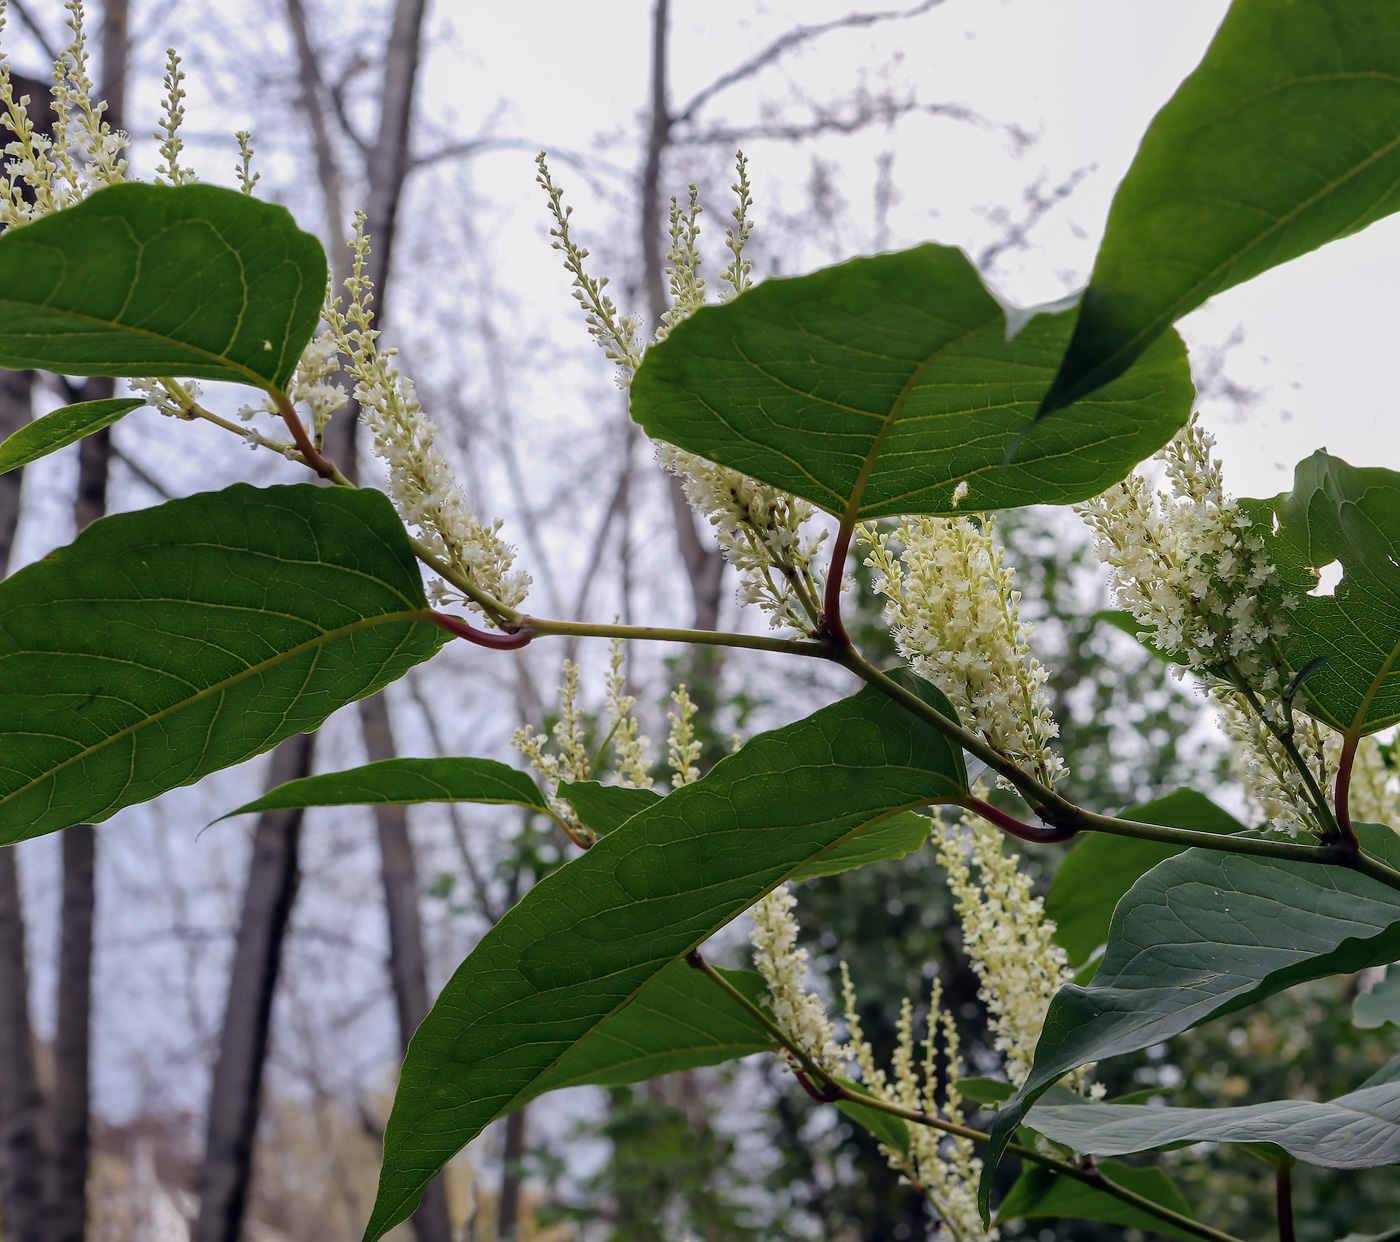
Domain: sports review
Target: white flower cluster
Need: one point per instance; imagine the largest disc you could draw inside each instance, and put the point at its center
(1189, 566)
(683, 275)
(800, 1015)
(761, 531)
(953, 611)
(1375, 785)
(171, 119)
(1271, 780)
(571, 762)
(421, 481)
(682, 746)
(631, 747)
(1007, 938)
(44, 174)
(943, 1167)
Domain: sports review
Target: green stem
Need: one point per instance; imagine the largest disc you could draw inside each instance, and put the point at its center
(1283, 1201)
(507, 618)
(835, 1091)
(712, 638)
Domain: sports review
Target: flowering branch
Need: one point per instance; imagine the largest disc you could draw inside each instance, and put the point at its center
(825, 1089)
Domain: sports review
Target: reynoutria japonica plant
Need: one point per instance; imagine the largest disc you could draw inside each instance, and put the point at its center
(883, 410)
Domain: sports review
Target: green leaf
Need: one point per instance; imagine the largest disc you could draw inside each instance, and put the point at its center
(985, 1090)
(1387, 1073)
(605, 807)
(893, 1132)
(1203, 934)
(166, 644)
(403, 782)
(1102, 867)
(680, 1020)
(1044, 1194)
(1286, 137)
(892, 838)
(589, 937)
(883, 383)
(1359, 1130)
(63, 427)
(1338, 512)
(1381, 1004)
(146, 280)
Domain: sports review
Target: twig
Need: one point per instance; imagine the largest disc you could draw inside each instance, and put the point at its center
(1283, 1200)
(1343, 791)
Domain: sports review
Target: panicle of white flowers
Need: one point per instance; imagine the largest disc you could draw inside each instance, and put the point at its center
(631, 747)
(1189, 566)
(422, 483)
(1375, 785)
(83, 155)
(1271, 780)
(683, 273)
(620, 336)
(682, 746)
(953, 611)
(571, 762)
(737, 274)
(1006, 937)
(943, 1167)
(799, 1014)
(247, 178)
(312, 381)
(172, 116)
(761, 532)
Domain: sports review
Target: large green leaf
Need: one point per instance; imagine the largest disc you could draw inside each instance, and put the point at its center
(1338, 512)
(1355, 1131)
(892, 838)
(605, 807)
(63, 427)
(592, 935)
(1286, 137)
(404, 782)
(1203, 934)
(147, 280)
(1041, 1193)
(885, 382)
(1381, 1004)
(166, 644)
(1102, 867)
(681, 1020)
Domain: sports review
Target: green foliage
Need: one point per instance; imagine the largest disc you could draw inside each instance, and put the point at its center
(681, 1020)
(1355, 1131)
(588, 938)
(167, 644)
(1380, 1005)
(1337, 512)
(1284, 138)
(1042, 1193)
(883, 383)
(146, 280)
(404, 782)
(1101, 868)
(1205, 933)
(605, 807)
(63, 427)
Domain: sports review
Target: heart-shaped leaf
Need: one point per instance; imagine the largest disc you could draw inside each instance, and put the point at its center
(589, 937)
(166, 644)
(63, 427)
(878, 386)
(148, 280)
(1286, 137)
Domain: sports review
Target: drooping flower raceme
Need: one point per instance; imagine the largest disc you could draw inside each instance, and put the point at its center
(953, 610)
(942, 1167)
(1007, 938)
(421, 481)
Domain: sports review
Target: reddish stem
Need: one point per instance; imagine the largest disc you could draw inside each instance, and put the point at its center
(482, 638)
(1343, 811)
(831, 603)
(1009, 823)
(1283, 1202)
(309, 452)
(828, 1094)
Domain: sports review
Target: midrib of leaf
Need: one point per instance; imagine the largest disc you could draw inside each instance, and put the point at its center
(1153, 329)
(253, 378)
(1358, 723)
(513, 1102)
(326, 636)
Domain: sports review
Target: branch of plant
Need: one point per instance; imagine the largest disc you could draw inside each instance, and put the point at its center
(825, 1089)
(1283, 1201)
(1342, 797)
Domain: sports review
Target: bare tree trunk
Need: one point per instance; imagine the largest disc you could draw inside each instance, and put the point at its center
(508, 1219)
(407, 961)
(236, 1092)
(21, 1174)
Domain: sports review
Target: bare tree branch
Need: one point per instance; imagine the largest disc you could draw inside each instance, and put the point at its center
(784, 44)
(34, 28)
(1016, 233)
(868, 111)
(141, 474)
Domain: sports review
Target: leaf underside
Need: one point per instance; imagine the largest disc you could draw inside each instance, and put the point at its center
(591, 936)
(891, 380)
(1040, 1193)
(61, 428)
(1286, 137)
(143, 280)
(166, 644)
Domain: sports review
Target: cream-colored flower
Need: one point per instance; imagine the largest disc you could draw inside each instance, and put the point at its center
(800, 1015)
(682, 746)
(953, 611)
